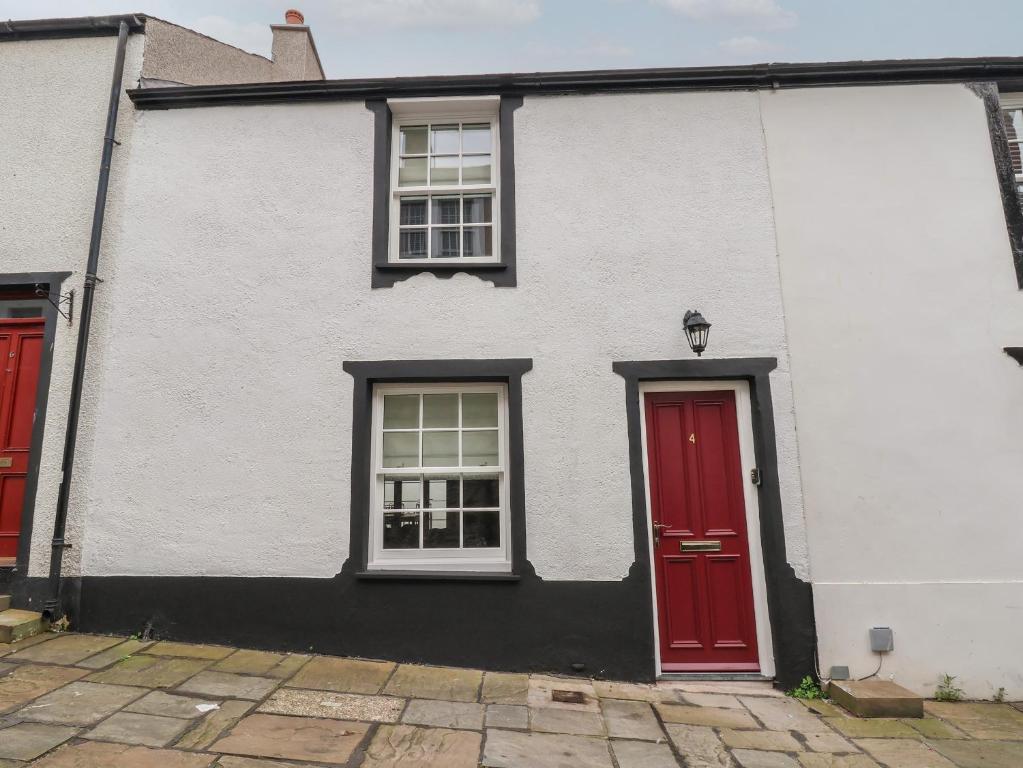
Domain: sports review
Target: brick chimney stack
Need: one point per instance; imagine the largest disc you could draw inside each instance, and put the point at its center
(294, 52)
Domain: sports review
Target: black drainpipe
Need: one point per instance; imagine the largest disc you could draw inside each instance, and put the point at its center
(52, 607)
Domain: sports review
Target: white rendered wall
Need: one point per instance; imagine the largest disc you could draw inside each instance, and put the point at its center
(242, 283)
(899, 296)
(53, 108)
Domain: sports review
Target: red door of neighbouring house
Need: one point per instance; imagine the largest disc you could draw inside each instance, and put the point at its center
(701, 552)
(21, 347)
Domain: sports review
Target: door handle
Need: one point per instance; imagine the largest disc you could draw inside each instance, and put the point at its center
(657, 532)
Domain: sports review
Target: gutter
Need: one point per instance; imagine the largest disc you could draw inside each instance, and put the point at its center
(82, 26)
(52, 608)
(758, 76)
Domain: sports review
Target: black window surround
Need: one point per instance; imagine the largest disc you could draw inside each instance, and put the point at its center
(385, 272)
(369, 373)
(1011, 202)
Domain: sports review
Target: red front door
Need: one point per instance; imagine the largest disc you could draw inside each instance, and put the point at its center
(701, 553)
(21, 347)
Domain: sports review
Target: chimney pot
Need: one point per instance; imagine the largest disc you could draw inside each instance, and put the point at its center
(291, 16)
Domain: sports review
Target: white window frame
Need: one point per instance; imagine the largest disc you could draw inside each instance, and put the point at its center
(1010, 102)
(475, 110)
(497, 559)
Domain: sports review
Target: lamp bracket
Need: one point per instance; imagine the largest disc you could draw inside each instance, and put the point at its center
(65, 303)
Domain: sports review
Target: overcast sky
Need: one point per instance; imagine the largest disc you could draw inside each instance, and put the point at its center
(364, 38)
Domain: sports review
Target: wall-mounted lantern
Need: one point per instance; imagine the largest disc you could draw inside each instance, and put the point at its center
(697, 330)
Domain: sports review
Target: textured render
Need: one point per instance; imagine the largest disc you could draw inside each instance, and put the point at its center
(242, 284)
(48, 177)
(899, 295)
(180, 55)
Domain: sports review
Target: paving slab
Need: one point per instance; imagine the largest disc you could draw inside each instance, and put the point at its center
(507, 716)
(720, 700)
(630, 720)
(768, 741)
(821, 707)
(339, 706)
(236, 761)
(749, 758)
(933, 728)
(65, 649)
(29, 681)
(189, 650)
(715, 717)
(877, 728)
(225, 685)
(434, 683)
(542, 688)
(212, 726)
(444, 714)
(638, 754)
(134, 728)
(979, 719)
(406, 746)
(783, 714)
(504, 688)
(981, 754)
(114, 654)
(550, 720)
(808, 760)
(249, 662)
(512, 749)
(828, 741)
(150, 671)
(27, 741)
(325, 673)
(700, 745)
(169, 705)
(634, 692)
(26, 642)
(291, 664)
(80, 703)
(98, 754)
(738, 688)
(903, 753)
(293, 738)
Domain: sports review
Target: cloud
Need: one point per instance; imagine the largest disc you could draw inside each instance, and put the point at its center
(765, 13)
(436, 13)
(748, 45)
(249, 36)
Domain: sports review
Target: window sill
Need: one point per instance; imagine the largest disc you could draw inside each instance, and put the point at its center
(426, 267)
(437, 576)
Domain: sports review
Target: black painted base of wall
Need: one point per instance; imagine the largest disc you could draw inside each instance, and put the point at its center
(526, 625)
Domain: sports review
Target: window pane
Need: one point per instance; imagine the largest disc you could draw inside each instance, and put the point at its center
(476, 138)
(440, 410)
(479, 449)
(412, 172)
(479, 409)
(413, 211)
(401, 449)
(401, 411)
(445, 244)
(445, 140)
(476, 170)
(477, 209)
(442, 492)
(445, 210)
(20, 308)
(413, 140)
(401, 530)
(443, 171)
(478, 241)
(482, 491)
(440, 449)
(482, 529)
(401, 492)
(441, 530)
(412, 244)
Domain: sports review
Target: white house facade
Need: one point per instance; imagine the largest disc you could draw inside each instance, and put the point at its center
(396, 368)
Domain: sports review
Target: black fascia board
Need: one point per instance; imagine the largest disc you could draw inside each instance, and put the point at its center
(891, 72)
(80, 26)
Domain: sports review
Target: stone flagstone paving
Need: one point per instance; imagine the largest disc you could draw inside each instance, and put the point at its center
(84, 701)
